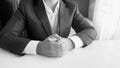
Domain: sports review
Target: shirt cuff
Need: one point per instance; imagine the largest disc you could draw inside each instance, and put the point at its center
(77, 41)
(31, 47)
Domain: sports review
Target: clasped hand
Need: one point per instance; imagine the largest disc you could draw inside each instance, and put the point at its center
(54, 46)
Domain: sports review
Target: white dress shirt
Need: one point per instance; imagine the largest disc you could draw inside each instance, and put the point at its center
(53, 19)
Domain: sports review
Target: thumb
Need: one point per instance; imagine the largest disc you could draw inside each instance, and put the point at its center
(54, 37)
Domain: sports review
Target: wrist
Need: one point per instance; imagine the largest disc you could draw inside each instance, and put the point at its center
(38, 48)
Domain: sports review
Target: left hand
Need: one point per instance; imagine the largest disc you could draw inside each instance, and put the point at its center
(67, 44)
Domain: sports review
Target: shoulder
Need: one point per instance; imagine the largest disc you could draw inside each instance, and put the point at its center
(70, 3)
(26, 2)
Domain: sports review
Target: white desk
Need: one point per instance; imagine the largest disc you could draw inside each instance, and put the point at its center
(100, 54)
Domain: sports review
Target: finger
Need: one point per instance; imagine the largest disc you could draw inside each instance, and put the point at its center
(55, 36)
(52, 39)
(52, 36)
(57, 47)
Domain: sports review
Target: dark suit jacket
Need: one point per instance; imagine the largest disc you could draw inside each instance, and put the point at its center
(6, 11)
(30, 22)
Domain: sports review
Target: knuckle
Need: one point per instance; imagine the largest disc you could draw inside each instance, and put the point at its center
(58, 55)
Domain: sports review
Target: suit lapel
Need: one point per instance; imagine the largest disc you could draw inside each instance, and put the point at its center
(63, 18)
(41, 13)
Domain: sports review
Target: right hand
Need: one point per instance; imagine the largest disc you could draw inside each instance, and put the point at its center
(50, 48)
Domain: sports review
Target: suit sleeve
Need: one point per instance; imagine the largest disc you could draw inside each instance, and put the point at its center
(0, 25)
(83, 28)
(11, 36)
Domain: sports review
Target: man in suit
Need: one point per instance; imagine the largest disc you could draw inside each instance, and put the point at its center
(42, 27)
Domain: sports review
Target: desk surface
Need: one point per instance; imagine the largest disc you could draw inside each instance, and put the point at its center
(100, 54)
